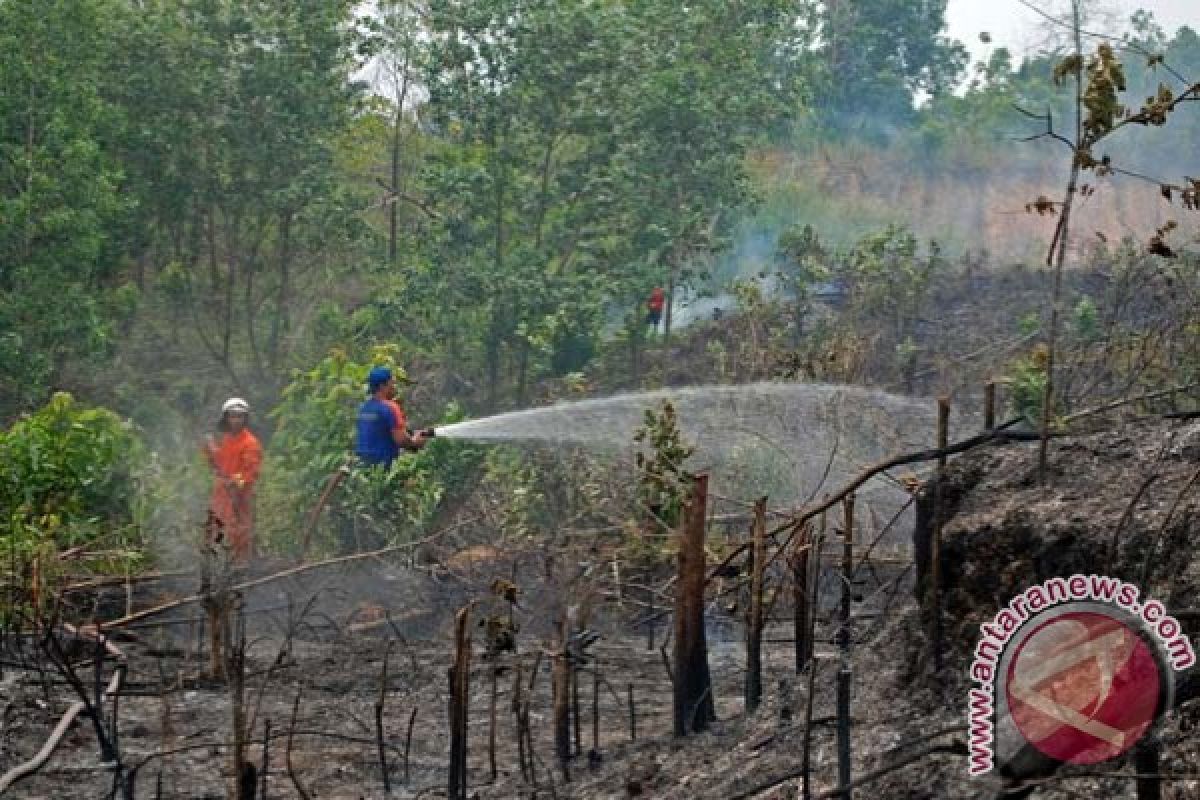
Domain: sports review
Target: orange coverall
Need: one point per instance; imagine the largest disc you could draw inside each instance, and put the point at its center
(236, 461)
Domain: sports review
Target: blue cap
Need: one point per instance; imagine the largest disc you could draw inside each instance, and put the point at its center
(378, 377)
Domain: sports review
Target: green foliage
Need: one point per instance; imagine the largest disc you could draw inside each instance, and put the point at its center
(871, 58)
(663, 481)
(1030, 323)
(69, 476)
(1027, 385)
(519, 484)
(1086, 320)
(62, 209)
(588, 152)
(204, 189)
(801, 259)
(716, 350)
(887, 276)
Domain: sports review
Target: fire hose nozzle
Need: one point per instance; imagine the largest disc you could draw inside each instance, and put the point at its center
(428, 433)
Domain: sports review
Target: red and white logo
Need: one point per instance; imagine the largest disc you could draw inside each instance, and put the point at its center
(1083, 687)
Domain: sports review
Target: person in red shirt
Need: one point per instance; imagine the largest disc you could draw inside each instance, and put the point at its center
(235, 460)
(654, 307)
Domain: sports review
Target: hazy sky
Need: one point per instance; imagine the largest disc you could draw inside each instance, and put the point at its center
(1018, 28)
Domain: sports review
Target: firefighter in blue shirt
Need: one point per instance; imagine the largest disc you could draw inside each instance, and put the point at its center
(382, 427)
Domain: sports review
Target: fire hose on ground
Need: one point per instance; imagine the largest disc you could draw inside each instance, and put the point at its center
(64, 724)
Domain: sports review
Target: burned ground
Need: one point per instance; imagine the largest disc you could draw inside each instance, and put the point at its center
(1004, 531)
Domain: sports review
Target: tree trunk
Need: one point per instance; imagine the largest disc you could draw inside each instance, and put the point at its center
(1146, 763)
(522, 370)
(670, 301)
(636, 340)
(394, 206)
(282, 322)
(30, 139)
(1058, 253)
(491, 357)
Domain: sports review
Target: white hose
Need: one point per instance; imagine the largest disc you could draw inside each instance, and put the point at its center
(34, 764)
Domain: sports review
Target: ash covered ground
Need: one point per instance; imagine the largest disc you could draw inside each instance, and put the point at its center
(1004, 532)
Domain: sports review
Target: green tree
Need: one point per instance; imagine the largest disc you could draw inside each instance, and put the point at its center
(888, 278)
(393, 37)
(705, 82)
(62, 208)
(243, 104)
(801, 262)
(68, 474)
(587, 150)
(663, 481)
(519, 93)
(871, 59)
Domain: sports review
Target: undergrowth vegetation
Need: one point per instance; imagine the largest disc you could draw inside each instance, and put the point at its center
(807, 218)
(71, 481)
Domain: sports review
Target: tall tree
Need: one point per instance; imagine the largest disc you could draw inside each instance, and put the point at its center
(524, 94)
(706, 82)
(247, 101)
(589, 148)
(61, 209)
(875, 58)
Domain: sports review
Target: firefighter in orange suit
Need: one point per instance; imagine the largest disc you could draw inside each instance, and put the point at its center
(236, 460)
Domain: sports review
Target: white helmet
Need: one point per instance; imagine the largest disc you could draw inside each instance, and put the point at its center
(236, 405)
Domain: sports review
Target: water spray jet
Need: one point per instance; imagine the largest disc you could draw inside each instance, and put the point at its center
(790, 441)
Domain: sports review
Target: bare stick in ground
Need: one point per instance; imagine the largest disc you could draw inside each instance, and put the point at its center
(596, 710)
(806, 749)
(492, 723)
(291, 768)
(939, 516)
(517, 702)
(412, 720)
(573, 672)
(561, 680)
(800, 598)
(526, 732)
(217, 598)
(459, 692)
(693, 709)
(754, 614)
(844, 670)
(989, 405)
(1146, 763)
(379, 738)
(632, 714)
(245, 774)
(266, 759)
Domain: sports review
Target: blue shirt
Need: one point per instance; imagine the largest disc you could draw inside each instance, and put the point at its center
(376, 421)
